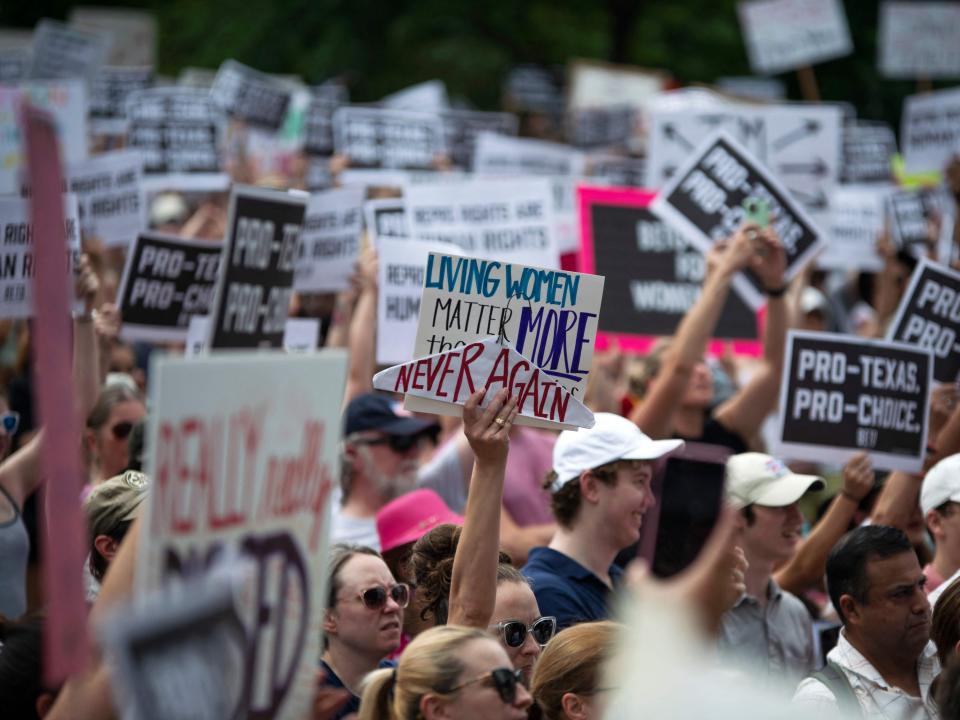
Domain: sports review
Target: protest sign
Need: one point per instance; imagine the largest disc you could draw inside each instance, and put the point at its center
(608, 127)
(18, 263)
(198, 330)
(196, 78)
(929, 317)
(108, 97)
(399, 179)
(501, 155)
(461, 128)
(868, 150)
(333, 91)
(930, 130)
(652, 276)
(507, 219)
(842, 394)
(856, 222)
(451, 376)
(788, 34)
(919, 39)
(799, 143)
(534, 88)
(548, 316)
(301, 335)
(704, 201)
(752, 87)
(385, 218)
(330, 240)
(616, 170)
(429, 96)
(166, 281)
(566, 224)
(318, 127)
(595, 84)
(110, 198)
(242, 450)
(180, 134)
(256, 278)
(318, 175)
(14, 64)
(132, 33)
(376, 137)
(911, 214)
(61, 52)
(246, 94)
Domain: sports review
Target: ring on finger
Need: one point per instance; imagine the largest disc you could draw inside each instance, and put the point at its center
(500, 421)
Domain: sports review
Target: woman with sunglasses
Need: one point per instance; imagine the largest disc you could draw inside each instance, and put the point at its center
(448, 672)
(118, 408)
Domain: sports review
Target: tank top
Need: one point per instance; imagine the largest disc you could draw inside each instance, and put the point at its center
(14, 549)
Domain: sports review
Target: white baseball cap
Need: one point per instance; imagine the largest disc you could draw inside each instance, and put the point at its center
(758, 479)
(941, 484)
(612, 437)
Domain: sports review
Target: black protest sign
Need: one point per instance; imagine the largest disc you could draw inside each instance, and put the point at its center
(704, 200)
(868, 150)
(166, 281)
(246, 94)
(653, 275)
(380, 138)
(461, 128)
(63, 51)
(910, 213)
(929, 317)
(259, 259)
(318, 127)
(386, 217)
(108, 96)
(594, 128)
(842, 394)
(535, 88)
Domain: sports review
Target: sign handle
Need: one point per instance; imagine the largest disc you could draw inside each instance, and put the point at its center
(808, 84)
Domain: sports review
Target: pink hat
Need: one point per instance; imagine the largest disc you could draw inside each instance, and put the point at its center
(411, 516)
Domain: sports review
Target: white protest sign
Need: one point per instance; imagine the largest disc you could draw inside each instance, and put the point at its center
(249, 95)
(132, 33)
(17, 266)
(301, 335)
(919, 39)
(451, 376)
(330, 240)
(857, 214)
(242, 450)
(385, 218)
(462, 127)
(14, 64)
(755, 88)
(111, 199)
(197, 333)
(379, 177)
(425, 97)
(60, 51)
(510, 219)
(788, 34)
(501, 155)
(380, 137)
(595, 84)
(930, 130)
(108, 97)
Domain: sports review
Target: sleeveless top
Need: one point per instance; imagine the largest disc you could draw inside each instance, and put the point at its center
(14, 549)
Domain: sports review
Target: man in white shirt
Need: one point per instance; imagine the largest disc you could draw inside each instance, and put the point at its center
(940, 502)
(884, 662)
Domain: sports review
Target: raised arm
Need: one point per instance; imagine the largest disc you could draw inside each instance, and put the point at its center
(473, 585)
(362, 337)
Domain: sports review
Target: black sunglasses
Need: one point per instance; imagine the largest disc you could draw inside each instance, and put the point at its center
(122, 430)
(504, 680)
(376, 597)
(399, 443)
(514, 632)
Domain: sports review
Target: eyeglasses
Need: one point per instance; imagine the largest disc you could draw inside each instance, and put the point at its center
(10, 422)
(504, 680)
(398, 443)
(376, 597)
(122, 430)
(514, 632)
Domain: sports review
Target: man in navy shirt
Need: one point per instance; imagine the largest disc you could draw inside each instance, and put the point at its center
(600, 488)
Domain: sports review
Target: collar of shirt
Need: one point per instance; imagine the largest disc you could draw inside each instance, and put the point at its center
(562, 564)
(774, 593)
(850, 659)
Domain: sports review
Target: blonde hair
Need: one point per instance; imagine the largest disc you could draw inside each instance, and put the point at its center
(571, 663)
(430, 664)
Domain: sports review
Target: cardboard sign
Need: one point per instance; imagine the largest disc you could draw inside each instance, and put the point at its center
(166, 281)
(507, 219)
(429, 96)
(601, 127)
(548, 316)
(841, 394)
(18, 263)
(799, 143)
(911, 213)
(596, 84)
(868, 150)
(857, 219)
(256, 280)
(318, 127)
(787, 34)
(705, 199)
(451, 376)
(242, 450)
(375, 137)
(652, 275)
(385, 218)
(330, 240)
(499, 155)
(110, 198)
(132, 33)
(919, 39)
(301, 335)
(930, 130)
(246, 94)
(108, 97)
(180, 134)
(929, 317)
(461, 128)
(62, 52)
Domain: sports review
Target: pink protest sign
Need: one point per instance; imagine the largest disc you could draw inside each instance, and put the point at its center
(65, 640)
(653, 276)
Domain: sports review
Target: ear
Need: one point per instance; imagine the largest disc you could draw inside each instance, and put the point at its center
(933, 522)
(43, 704)
(434, 708)
(106, 546)
(329, 622)
(589, 487)
(850, 609)
(90, 441)
(574, 707)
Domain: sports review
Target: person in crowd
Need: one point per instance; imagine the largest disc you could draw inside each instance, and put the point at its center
(22, 693)
(940, 504)
(676, 384)
(601, 485)
(566, 683)
(109, 424)
(884, 662)
(448, 672)
(945, 625)
(946, 690)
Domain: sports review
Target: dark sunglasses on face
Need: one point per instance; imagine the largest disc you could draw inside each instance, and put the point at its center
(10, 422)
(504, 680)
(376, 597)
(122, 430)
(398, 443)
(514, 632)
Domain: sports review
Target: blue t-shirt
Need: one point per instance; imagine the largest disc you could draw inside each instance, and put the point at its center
(566, 589)
(353, 704)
